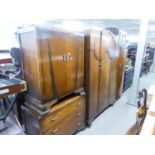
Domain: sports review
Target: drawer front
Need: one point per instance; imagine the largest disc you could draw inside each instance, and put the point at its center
(68, 126)
(64, 110)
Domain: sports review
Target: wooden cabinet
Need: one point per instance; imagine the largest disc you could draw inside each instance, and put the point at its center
(120, 72)
(97, 74)
(53, 63)
(66, 117)
(103, 74)
(116, 76)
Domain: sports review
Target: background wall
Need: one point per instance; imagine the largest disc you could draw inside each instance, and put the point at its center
(7, 35)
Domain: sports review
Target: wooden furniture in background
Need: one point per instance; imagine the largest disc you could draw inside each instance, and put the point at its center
(5, 58)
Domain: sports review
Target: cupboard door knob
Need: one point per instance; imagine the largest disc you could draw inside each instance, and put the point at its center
(55, 131)
(69, 56)
(54, 118)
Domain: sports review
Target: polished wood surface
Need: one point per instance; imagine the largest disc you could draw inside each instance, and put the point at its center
(5, 58)
(97, 69)
(120, 72)
(113, 81)
(10, 86)
(104, 76)
(116, 76)
(91, 76)
(53, 63)
(66, 117)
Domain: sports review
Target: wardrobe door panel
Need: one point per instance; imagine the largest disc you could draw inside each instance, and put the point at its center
(113, 81)
(48, 78)
(104, 82)
(92, 42)
(71, 70)
(120, 72)
(58, 60)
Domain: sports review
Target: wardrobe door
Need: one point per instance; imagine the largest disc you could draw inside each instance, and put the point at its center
(71, 64)
(92, 54)
(113, 81)
(120, 72)
(113, 53)
(57, 58)
(104, 80)
(46, 64)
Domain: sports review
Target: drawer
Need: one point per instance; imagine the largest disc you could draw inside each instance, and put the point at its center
(60, 112)
(68, 126)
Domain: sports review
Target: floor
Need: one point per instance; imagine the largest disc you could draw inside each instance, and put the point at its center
(11, 126)
(116, 120)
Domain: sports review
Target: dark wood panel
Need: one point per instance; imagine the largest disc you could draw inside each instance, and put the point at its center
(113, 81)
(104, 83)
(80, 63)
(46, 66)
(30, 63)
(120, 72)
(92, 73)
(71, 70)
(57, 49)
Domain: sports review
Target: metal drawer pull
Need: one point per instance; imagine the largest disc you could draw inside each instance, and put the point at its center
(78, 114)
(79, 124)
(54, 131)
(64, 57)
(79, 103)
(54, 118)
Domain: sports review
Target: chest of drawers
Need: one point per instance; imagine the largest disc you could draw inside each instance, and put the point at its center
(67, 117)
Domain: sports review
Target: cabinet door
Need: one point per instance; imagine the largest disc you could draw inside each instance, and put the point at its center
(58, 61)
(113, 81)
(104, 82)
(92, 53)
(104, 71)
(54, 63)
(75, 62)
(120, 72)
(71, 68)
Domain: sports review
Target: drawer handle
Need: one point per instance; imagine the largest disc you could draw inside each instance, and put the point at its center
(54, 118)
(79, 124)
(79, 103)
(78, 114)
(55, 131)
